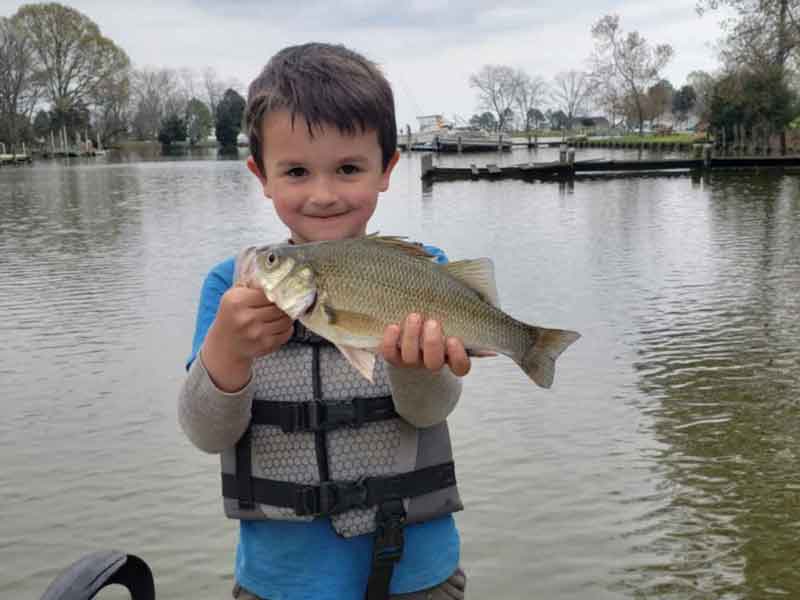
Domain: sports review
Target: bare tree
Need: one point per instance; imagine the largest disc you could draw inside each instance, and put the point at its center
(627, 61)
(766, 32)
(570, 92)
(610, 99)
(111, 112)
(19, 90)
(215, 88)
(189, 82)
(497, 87)
(74, 57)
(156, 94)
(530, 94)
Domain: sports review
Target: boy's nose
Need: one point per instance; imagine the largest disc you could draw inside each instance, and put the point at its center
(323, 193)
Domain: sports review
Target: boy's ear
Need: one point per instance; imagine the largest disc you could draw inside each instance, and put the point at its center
(253, 168)
(387, 172)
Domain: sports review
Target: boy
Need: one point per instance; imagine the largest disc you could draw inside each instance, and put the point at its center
(344, 488)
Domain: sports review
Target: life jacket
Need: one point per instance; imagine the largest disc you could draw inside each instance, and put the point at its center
(324, 441)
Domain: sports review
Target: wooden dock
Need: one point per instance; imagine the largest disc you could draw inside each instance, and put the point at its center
(15, 159)
(598, 168)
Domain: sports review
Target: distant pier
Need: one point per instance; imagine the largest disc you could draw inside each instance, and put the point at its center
(568, 168)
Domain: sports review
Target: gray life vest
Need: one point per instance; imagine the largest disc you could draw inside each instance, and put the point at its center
(325, 441)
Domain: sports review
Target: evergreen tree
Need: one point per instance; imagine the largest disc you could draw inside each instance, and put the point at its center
(229, 118)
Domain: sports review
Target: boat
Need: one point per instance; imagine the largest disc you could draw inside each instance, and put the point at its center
(437, 135)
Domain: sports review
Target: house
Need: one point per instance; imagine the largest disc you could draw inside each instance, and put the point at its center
(590, 124)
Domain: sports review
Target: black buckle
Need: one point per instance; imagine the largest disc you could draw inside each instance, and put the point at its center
(339, 496)
(321, 416)
(306, 501)
(352, 412)
(304, 416)
(331, 497)
(389, 539)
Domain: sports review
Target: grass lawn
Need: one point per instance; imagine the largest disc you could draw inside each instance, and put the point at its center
(675, 138)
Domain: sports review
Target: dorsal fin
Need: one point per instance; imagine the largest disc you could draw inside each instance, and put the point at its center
(478, 275)
(399, 243)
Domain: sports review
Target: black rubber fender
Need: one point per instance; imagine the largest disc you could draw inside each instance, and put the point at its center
(88, 575)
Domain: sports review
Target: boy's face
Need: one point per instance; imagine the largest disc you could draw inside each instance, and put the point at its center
(325, 187)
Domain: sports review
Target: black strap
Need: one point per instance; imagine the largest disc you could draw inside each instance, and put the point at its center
(244, 470)
(320, 438)
(294, 417)
(334, 497)
(387, 548)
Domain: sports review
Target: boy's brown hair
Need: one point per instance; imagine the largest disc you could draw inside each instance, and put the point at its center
(327, 85)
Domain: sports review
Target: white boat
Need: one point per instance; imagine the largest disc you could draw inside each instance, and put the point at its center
(437, 135)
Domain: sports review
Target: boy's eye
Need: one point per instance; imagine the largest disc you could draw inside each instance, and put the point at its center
(296, 172)
(349, 169)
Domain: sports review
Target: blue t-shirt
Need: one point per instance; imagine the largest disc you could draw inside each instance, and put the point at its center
(288, 560)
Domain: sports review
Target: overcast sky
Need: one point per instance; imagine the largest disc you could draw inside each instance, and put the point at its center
(427, 48)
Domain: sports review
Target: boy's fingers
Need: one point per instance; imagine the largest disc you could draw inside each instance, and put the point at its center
(277, 326)
(270, 342)
(409, 344)
(457, 357)
(389, 344)
(252, 297)
(432, 346)
(269, 313)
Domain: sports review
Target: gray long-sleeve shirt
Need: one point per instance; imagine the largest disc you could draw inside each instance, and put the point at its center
(215, 420)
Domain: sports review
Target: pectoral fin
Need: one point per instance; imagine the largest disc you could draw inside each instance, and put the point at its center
(352, 323)
(362, 360)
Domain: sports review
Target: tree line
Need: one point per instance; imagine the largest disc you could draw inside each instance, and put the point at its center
(59, 73)
(754, 91)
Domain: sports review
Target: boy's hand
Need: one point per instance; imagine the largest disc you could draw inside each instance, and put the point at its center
(419, 344)
(247, 325)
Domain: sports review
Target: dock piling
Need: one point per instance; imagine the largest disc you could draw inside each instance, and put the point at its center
(707, 150)
(426, 164)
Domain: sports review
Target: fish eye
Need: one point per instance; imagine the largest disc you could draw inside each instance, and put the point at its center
(271, 259)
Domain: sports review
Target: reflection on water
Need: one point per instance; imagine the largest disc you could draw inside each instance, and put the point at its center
(719, 352)
(663, 464)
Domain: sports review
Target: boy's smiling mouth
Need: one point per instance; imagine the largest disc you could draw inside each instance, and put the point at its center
(328, 215)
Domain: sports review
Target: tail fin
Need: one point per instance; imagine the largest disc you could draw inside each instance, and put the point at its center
(539, 360)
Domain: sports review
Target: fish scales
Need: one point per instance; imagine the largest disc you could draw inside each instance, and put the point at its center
(407, 285)
(349, 291)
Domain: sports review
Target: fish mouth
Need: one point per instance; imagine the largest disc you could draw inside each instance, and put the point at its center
(311, 306)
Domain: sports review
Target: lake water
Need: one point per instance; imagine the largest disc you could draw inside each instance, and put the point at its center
(663, 463)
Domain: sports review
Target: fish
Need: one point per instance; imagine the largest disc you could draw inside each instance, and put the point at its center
(348, 291)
